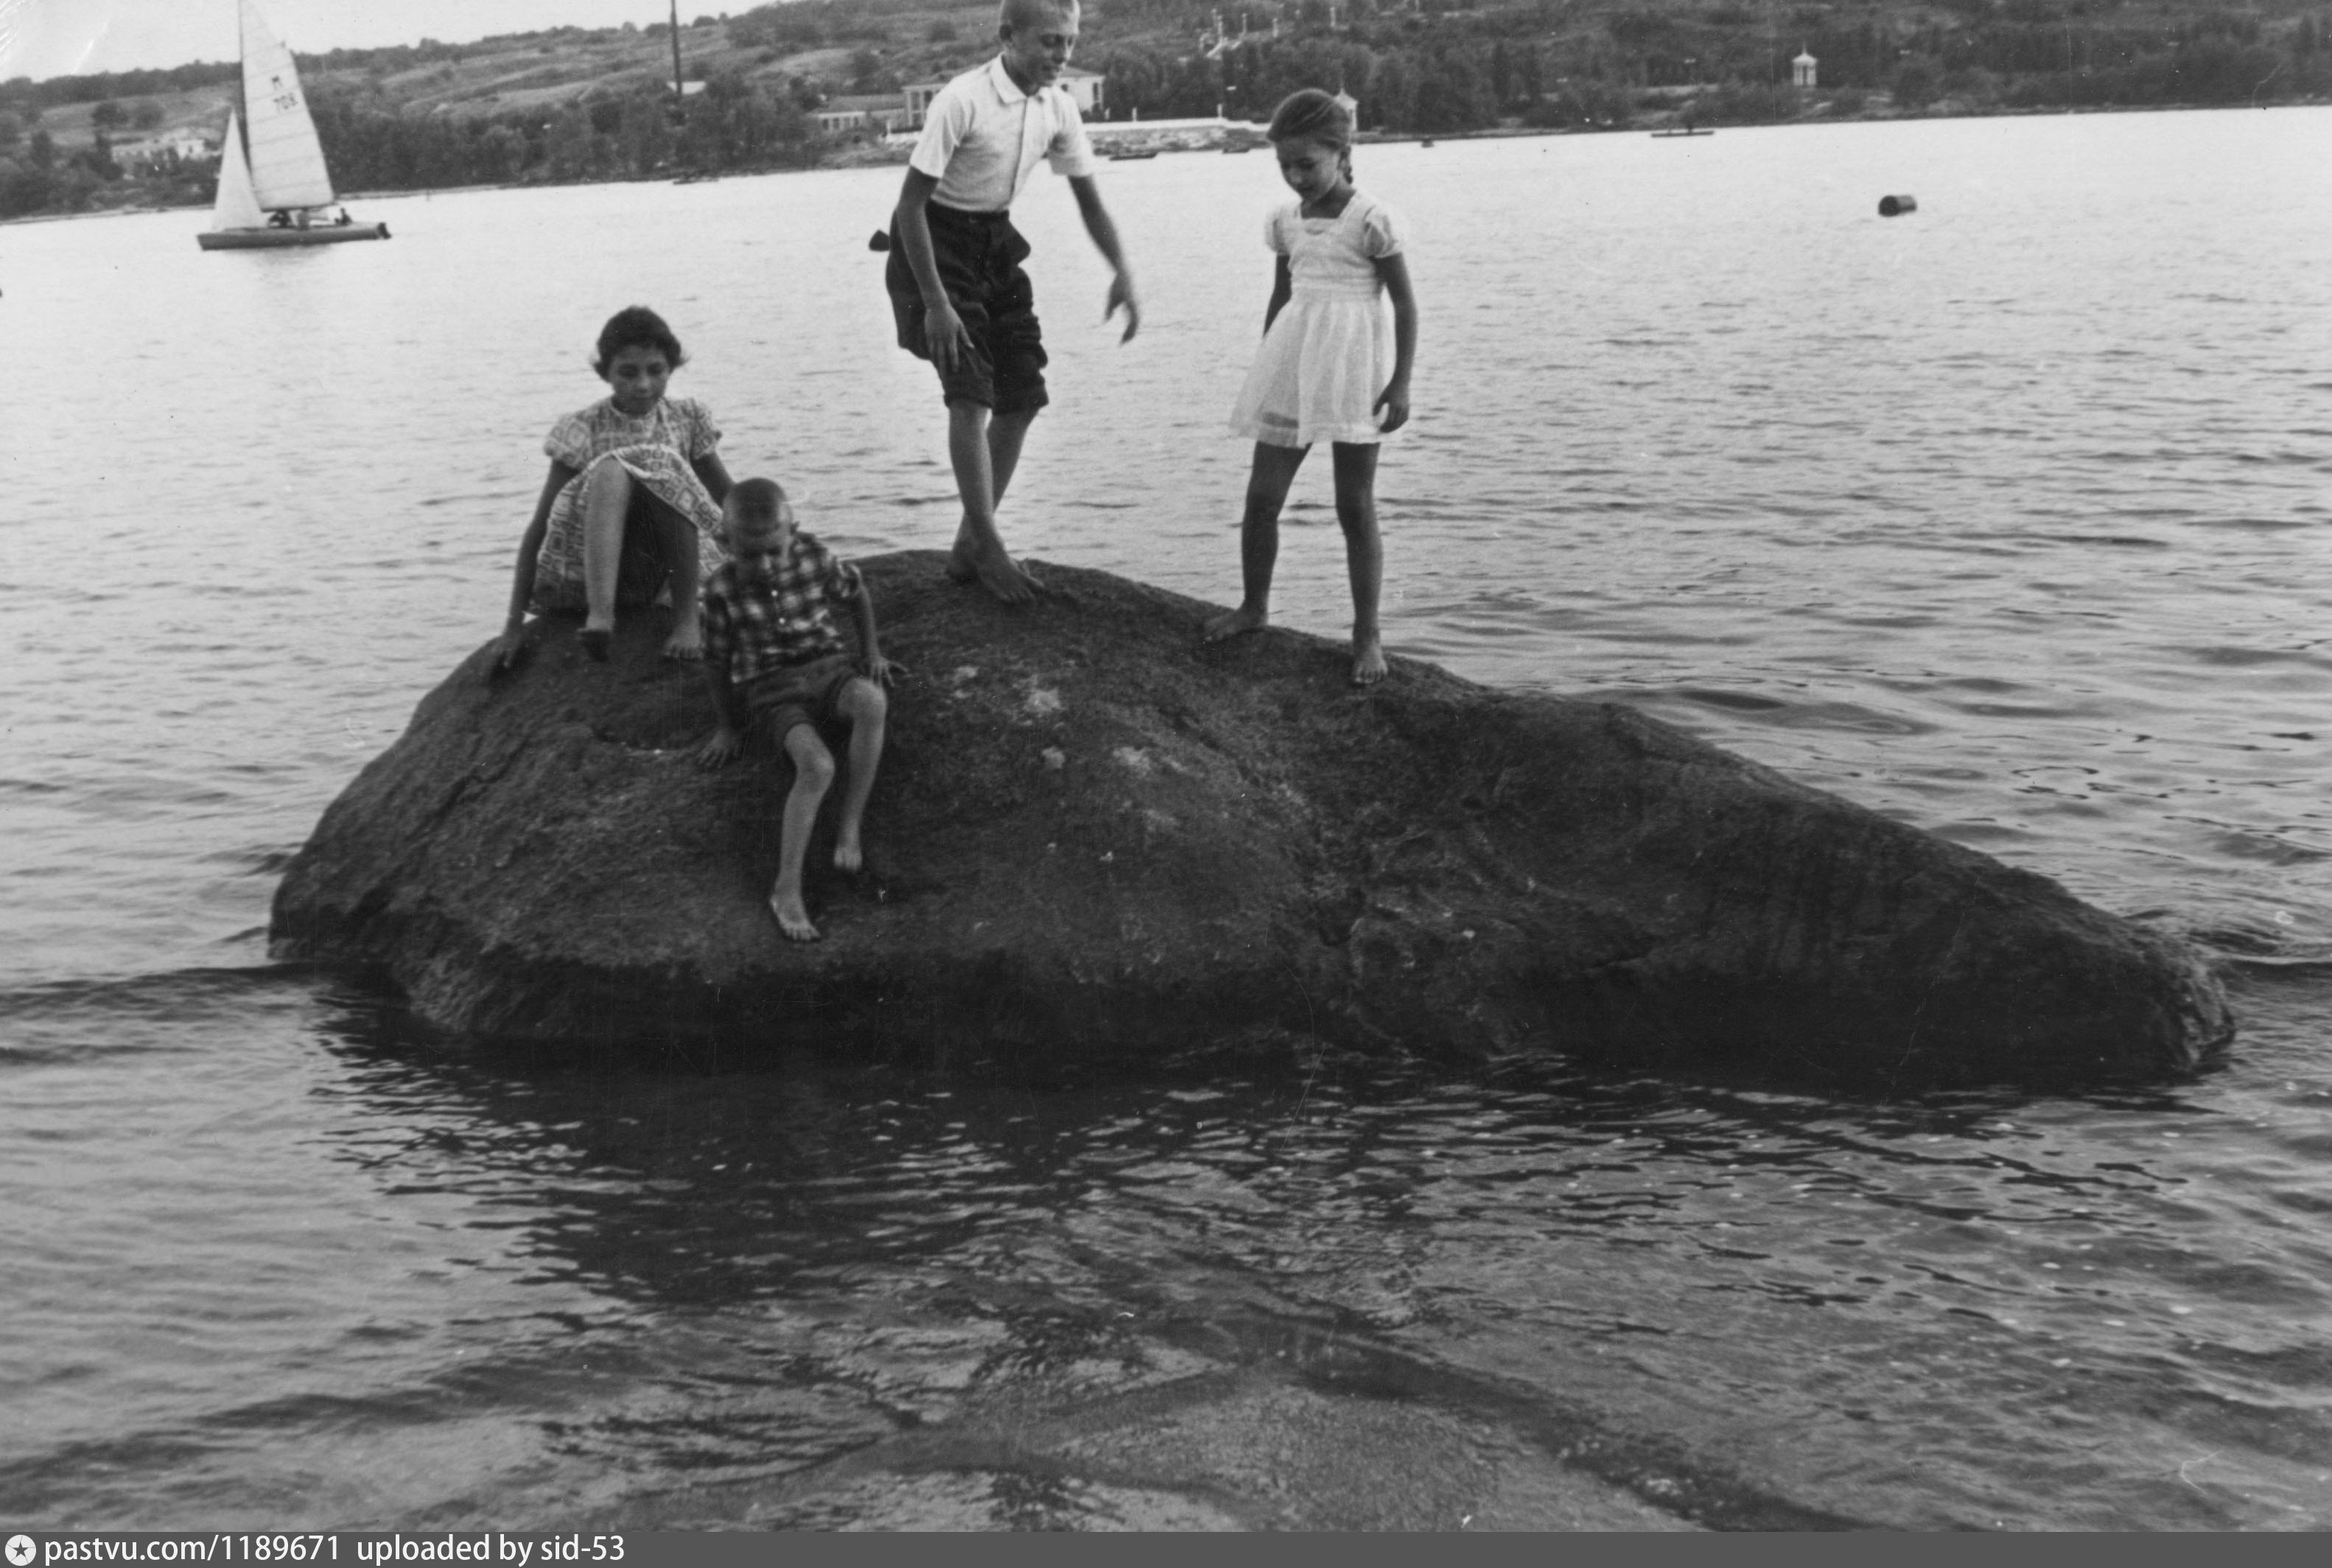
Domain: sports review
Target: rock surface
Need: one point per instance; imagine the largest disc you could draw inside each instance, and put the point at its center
(1094, 839)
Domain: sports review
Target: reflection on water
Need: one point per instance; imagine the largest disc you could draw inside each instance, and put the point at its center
(380, 1276)
(1930, 512)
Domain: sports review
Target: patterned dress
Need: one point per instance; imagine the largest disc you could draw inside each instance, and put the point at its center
(1329, 350)
(656, 449)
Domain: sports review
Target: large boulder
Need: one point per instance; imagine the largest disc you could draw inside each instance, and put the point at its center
(1094, 839)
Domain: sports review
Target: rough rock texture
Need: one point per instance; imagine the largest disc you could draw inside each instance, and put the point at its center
(1095, 838)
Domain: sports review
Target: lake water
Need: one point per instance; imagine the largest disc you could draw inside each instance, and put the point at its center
(2008, 519)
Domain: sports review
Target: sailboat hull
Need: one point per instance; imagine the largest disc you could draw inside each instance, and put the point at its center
(287, 239)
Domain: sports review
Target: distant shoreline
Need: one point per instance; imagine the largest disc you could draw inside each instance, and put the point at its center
(863, 156)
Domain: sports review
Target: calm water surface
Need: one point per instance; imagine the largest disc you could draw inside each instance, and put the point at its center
(2007, 519)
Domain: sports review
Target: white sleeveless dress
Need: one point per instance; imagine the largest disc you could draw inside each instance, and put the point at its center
(1330, 351)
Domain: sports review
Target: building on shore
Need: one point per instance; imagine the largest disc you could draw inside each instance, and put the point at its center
(147, 154)
(879, 113)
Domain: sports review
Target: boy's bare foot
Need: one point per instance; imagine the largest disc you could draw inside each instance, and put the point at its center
(792, 918)
(1368, 663)
(849, 858)
(596, 640)
(1232, 623)
(996, 571)
(687, 643)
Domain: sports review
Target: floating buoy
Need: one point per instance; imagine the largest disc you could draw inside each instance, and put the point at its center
(1891, 206)
(882, 241)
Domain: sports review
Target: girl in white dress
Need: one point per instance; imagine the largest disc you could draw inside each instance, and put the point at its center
(1329, 371)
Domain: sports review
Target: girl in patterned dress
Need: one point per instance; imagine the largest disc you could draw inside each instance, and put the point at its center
(632, 507)
(1329, 369)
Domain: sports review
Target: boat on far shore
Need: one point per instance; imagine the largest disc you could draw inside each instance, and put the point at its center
(277, 194)
(1683, 130)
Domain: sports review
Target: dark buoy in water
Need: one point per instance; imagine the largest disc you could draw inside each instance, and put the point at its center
(1893, 206)
(881, 242)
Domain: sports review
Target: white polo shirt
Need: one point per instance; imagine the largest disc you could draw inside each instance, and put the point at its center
(982, 137)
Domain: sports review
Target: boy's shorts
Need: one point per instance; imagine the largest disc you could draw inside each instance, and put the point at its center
(978, 256)
(804, 693)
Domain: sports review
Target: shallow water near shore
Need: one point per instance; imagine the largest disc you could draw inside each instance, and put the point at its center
(2006, 519)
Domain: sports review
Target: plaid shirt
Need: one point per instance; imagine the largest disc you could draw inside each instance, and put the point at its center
(751, 630)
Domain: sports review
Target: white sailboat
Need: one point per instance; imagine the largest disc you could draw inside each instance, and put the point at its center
(280, 194)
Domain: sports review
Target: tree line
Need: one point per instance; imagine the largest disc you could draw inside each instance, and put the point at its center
(733, 124)
(1428, 71)
(1416, 66)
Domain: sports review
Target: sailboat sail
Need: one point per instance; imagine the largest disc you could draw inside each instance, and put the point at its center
(236, 207)
(287, 162)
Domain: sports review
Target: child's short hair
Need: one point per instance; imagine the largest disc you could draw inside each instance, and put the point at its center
(1011, 12)
(755, 498)
(1312, 115)
(636, 327)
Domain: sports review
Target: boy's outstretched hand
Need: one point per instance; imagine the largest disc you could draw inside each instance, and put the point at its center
(883, 672)
(1122, 298)
(721, 749)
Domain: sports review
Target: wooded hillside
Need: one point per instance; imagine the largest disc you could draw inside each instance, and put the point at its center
(577, 104)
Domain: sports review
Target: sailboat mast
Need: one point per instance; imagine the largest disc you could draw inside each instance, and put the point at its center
(676, 93)
(243, 79)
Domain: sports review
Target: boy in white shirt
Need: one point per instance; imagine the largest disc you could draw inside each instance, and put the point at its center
(957, 290)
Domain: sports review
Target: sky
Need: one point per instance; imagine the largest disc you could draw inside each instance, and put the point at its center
(44, 38)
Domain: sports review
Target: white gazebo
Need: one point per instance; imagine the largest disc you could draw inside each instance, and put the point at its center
(1802, 69)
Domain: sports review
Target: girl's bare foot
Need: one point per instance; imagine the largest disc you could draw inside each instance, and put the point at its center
(792, 918)
(849, 858)
(687, 643)
(1232, 623)
(596, 640)
(1368, 662)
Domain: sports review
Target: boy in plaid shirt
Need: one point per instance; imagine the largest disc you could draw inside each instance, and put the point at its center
(774, 657)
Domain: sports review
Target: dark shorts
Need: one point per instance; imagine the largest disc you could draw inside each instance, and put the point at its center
(806, 693)
(978, 256)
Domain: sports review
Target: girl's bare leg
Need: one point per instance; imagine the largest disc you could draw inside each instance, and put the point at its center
(1267, 484)
(606, 502)
(867, 707)
(1356, 510)
(813, 775)
(675, 539)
